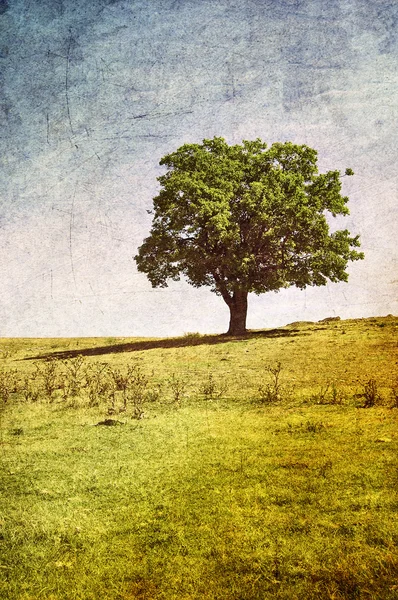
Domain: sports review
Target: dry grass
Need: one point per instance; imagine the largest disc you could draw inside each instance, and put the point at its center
(213, 496)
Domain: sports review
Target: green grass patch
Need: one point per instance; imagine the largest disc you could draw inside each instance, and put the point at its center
(219, 495)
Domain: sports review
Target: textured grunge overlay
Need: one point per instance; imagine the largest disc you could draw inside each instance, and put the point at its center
(94, 92)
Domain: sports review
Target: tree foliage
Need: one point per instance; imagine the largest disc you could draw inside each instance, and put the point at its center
(246, 218)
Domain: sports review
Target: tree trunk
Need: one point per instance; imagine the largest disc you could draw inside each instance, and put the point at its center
(238, 313)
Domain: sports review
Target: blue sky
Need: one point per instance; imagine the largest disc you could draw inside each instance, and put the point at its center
(94, 93)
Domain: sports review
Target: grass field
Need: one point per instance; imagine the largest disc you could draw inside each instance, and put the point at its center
(253, 468)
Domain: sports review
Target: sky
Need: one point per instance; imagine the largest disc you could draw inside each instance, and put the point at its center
(94, 92)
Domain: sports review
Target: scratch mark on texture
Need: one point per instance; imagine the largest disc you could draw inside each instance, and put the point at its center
(67, 79)
(48, 128)
(96, 298)
(71, 222)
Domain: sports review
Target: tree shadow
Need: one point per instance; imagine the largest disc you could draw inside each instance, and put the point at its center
(166, 343)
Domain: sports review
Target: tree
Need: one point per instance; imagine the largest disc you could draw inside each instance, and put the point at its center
(246, 218)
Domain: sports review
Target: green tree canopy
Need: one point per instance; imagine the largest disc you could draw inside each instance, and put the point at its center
(246, 218)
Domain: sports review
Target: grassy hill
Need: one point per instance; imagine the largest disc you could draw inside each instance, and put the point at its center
(201, 466)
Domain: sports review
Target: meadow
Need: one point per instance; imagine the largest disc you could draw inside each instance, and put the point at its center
(201, 467)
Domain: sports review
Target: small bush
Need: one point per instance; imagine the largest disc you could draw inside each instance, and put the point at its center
(48, 373)
(394, 395)
(8, 384)
(371, 394)
(328, 394)
(154, 393)
(74, 378)
(30, 392)
(99, 384)
(192, 335)
(314, 426)
(128, 388)
(135, 391)
(273, 391)
(212, 389)
(178, 388)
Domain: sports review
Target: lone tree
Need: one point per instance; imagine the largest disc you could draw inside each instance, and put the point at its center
(246, 218)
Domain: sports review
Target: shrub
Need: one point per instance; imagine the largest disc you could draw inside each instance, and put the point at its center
(74, 378)
(192, 335)
(8, 384)
(394, 395)
(135, 391)
(30, 392)
(371, 394)
(212, 389)
(48, 374)
(328, 394)
(314, 426)
(154, 393)
(274, 390)
(99, 384)
(178, 388)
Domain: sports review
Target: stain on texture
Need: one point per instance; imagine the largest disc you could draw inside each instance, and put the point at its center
(94, 93)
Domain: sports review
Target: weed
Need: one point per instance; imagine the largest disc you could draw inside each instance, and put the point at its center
(17, 431)
(273, 391)
(394, 395)
(325, 468)
(309, 426)
(337, 396)
(99, 384)
(328, 394)
(130, 385)
(120, 379)
(135, 392)
(313, 426)
(138, 412)
(178, 388)
(154, 393)
(30, 392)
(212, 389)
(74, 379)
(8, 385)
(192, 335)
(49, 374)
(371, 394)
(320, 397)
